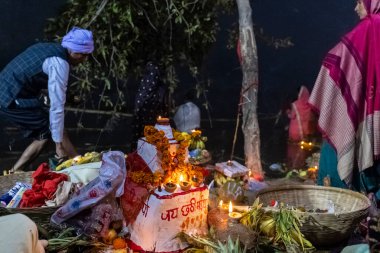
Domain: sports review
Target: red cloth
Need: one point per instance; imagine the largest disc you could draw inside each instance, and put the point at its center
(45, 183)
(135, 195)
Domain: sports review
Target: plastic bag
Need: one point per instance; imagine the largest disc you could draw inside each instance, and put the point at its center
(111, 180)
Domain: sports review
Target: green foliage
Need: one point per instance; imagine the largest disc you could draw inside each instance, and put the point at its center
(199, 244)
(129, 33)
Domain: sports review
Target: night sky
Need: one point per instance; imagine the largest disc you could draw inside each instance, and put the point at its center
(314, 27)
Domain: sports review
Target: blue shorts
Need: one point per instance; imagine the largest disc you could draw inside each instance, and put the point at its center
(33, 122)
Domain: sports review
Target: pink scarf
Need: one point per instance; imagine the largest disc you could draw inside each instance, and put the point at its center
(347, 95)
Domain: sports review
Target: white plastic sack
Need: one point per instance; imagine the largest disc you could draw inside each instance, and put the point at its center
(111, 179)
(187, 117)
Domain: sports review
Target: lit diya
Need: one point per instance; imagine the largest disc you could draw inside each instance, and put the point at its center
(235, 216)
(185, 186)
(196, 181)
(170, 187)
(162, 120)
(222, 206)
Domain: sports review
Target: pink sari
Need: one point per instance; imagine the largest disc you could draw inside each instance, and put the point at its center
(346, 95)
(301, 117)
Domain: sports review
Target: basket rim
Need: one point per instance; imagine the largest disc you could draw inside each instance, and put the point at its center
(317, 187)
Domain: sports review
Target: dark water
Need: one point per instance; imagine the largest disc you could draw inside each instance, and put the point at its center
(104, 132)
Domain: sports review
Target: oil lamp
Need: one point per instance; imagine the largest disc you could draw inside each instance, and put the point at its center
(185, 186)
(235, 216)
(170, 187)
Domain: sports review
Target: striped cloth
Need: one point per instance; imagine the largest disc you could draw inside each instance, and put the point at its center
(346, 96)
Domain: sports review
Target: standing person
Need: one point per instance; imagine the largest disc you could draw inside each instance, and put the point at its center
(42, 66)
(347, 98)
(150, 102)
(301, 128)
(188, 115)
(301, 117)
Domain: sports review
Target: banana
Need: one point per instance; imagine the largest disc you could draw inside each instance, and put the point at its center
(223, 179)
(64, 165)
(200, 145)
(220, 179)
(84, 159)
(192, 145)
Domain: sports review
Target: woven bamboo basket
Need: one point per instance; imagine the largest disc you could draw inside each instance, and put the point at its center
(322, 229)
(40, 215)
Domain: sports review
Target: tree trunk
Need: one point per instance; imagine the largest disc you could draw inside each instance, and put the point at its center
(249, 90)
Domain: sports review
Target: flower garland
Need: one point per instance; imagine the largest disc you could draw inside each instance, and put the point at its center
(173, 165)
(140, 177)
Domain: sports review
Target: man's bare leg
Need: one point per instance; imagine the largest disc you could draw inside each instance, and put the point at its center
(68, 146)
(29, 154)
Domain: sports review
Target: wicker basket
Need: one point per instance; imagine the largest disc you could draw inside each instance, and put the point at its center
(40, 215)
(322, 229)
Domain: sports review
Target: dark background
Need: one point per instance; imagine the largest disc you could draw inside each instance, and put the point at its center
(314, 27)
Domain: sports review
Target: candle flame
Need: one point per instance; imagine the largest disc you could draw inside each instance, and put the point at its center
(159, 117)
(310, 143)
(221, 203)
(181, 178)
(230, 207)
(302, 142)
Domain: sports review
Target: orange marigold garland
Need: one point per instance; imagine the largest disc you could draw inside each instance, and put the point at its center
(172, 164)
(141, 177)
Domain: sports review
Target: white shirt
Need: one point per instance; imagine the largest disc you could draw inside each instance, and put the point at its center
(57, 70)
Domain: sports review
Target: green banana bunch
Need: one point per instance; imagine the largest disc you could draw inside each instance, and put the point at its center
(220, 179)
(200, 145)
(197, 144)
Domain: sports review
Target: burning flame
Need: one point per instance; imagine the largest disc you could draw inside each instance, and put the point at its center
(181, 178)
(221, 203)
(230, 207)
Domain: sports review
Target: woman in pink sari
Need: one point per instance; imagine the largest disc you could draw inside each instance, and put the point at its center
(300, 129)
(346, 96)
(301, 117)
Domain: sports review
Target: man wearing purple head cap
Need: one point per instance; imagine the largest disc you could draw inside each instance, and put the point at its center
(42, 66)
